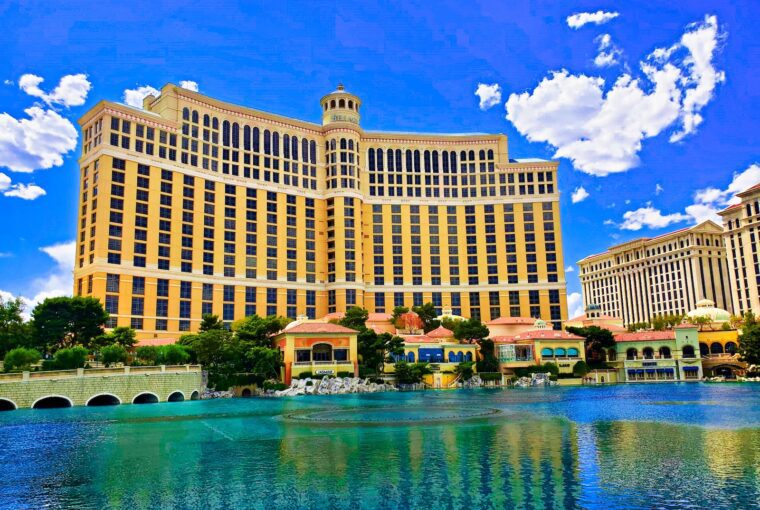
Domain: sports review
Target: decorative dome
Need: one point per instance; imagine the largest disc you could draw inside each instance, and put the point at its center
(706, 308)
(540, 324)
(340, 106)
(447, 314)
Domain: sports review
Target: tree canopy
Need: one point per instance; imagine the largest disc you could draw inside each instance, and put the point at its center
(355, 318)
(470, 330)
(67, 321)
(13, 331)
(597, 341)
(749, 341)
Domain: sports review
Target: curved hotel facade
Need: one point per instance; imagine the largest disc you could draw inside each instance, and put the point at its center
(193, 206)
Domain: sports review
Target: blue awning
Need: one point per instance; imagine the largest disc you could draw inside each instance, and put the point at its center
(650, 370)
(640, 371)
(668, 370)
(660, 370)
(691, 369)
(631, 372)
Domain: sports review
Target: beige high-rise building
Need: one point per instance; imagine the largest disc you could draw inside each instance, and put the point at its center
(741, 225)
(192, 205)
(667, 274)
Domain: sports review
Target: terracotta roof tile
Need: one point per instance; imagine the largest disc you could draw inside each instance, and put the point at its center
(539, 334)
(643, 336)
(317, 327)
(441, 332)
(511, 320)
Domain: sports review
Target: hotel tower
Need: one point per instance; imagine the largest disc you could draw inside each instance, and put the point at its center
(191, 205)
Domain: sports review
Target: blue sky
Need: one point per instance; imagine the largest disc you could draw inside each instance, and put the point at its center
(632, 144)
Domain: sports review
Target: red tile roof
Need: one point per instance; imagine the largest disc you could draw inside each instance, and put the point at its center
(441, 332)
(643, 336)
(419, 339)
(379, 317)
(317, 327)
(538, 334)
(155, 341)
(511, 320)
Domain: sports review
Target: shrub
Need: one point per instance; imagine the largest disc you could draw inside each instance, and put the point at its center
(172, 354)
(345, 374)
(20, 358)
(70, 358)
(274, 385)
(490, 376)
(114, 353)
(580, 369)
(147, 354)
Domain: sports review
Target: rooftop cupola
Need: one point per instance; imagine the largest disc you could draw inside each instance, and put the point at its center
(340, 106)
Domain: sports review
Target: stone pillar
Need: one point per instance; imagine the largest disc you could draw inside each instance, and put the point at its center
(80, 372)
(25, 376)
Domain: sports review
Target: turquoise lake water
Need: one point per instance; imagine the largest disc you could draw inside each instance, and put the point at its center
(629, 446)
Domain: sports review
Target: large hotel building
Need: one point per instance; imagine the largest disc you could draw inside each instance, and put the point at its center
(741, 224)
(192, 205)
(644, 278)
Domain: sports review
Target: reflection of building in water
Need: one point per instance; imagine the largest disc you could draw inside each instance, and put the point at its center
(513, 464)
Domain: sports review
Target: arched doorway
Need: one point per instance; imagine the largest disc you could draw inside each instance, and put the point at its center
(52, 402)
(176, 396)
(704, 350)
(7, 405)
(104, 399)
(145, 398)
(716, 348)
(665, 352)
(631, 353)
(648, 353)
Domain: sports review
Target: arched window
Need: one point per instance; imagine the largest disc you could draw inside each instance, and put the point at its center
(611, 354)
(631, 353)
(482, 154)
(665, 352)
(704, 350)
(426, 161)
(342, 103)
(452, 357)
(435, 161)
(560, 352)
(468, 356)
(409, 158)
(226, 133)
(313, 152)
(235, 135)
(247, 138)
(416, 161)
(215, 123)
(305, 150)
(445, 158)
(185, 114)
(490, 153)
(206, 120)
(322, 352)
(547, 352)
(350, 105)
(410, 357)
(343, 144)
(460, 356)
(648, 353)
(333, 144)
(716, 348)
(398, 160)
(350, 145)
(275, 143)
(294, 148)
(371, 159)
(379, 160)
(453, 162)
(267, 142)
(471, 156)
(572, 352)
(731, 347)
(286, 146)
(255, 140)
(688, 351)
(195, 117)
(332, 103)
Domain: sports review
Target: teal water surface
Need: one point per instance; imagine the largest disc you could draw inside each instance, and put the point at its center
(629, 446)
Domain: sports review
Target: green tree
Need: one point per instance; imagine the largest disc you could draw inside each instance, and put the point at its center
(488, 363)
(411, 373)
(749, 341)
(172, 354)
(147, 354)
(210, 322)
(264, 361)
(470, 330)
(13, 331)
(113, 353)
(464, 370)
(428, 315)
(257, 331)
(20, 359)
(597, 341)
(375, 349)
(398, 312)
(66, 321)
(70, 358)
(355, 318)
(636, 326)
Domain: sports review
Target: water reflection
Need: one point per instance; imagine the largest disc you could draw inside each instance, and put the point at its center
(247, 454)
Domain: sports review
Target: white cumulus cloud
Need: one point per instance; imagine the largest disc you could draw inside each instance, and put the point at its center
(600, 128)
(134, 97)
(58, 281)
(608, 53)
(574, 304)
(579, 195)
(189, 85)
(490, 95)
(36, 142)
(569, 269)
(25, 191)
(72, 89)
(650, 217)
(599, 17)
(708, 201)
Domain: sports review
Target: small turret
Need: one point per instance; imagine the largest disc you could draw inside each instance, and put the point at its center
(340, 106)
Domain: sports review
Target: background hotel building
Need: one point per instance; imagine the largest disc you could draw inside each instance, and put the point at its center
(741, 224)
(668, 274)
(194, 206)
